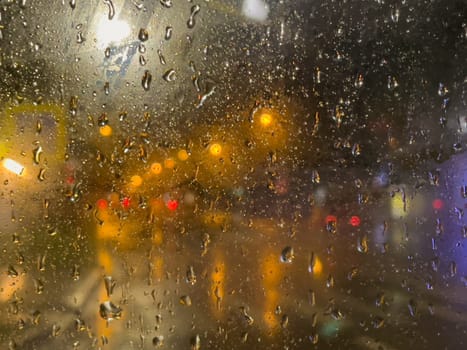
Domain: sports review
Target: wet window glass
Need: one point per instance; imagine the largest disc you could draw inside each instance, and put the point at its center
(236, 174)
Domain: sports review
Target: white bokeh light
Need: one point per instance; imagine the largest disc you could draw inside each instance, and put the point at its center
(111, 32)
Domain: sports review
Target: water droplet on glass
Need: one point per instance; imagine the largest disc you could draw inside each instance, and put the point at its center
(72, 4)
(38, 286)
(412, 305)
(75, 273)
(356, 150)
(41, 262)
(55, 330)
(442, 90)
(146, 81)
(106, 88)
(142, 60)
(330, 281)
(392, 82)
(195, 342)
(314, 337)
(107, 52)
(161, 57)
(246, 317)
(395, 13)
(452, 268)
(141, 48)
(315, 178)
(12, 271)
(109, 311)
(37, 153)
(166, 3)
(185, 300)
(79, 38)
(190, 275)
(73, 105)
(158, 341)
(41, 175)
(169, 75)
(378, 322)
(36, 317)
(143, 34)
(191, 20)
(168, 32)
(362, 244)
(111, 9)
(352, 273)
(287, 255)
(284, 321)
(109, 283)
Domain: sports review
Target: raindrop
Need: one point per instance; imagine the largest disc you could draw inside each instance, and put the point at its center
(191, 20)
(146, 81)
(311, 262)
(330, 281)
(362, 244)
(55, 330)
(111, 7)
(284, 321)
(72, 4)
(337, 314)
(315, 178)
(106, 88)
(141, 48)
(395, 14)
(109, 311)
(158, 341)
(142, 60)
(378, 322)
(352, 273)
(161, 57)
(73, 105)
(37, 152)
(287, 255)
(311, 297)
(464, 191)
(246, 317)
(41, 175)
(190, 275)
(12, 271)
(107, 52)
(185, 300)
(75, 273)
(166, 3)
(143, 34)
(195, 342)
(412, 305)
(359, 80)
(452, 268)
(169, 75)
(36, 317)
(392, 82)
(314, 337)
(379, 299)
(79, 38)
(109, 283)
(442, 90)
(41, 262)
(168, 32)
(356, 150)
(38, 286)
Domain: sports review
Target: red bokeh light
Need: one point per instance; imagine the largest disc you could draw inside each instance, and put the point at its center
(70, 180)
(330, 219)
(102, 204)
(126, 202)
(437, 204)
(172, 204)
(355, 221)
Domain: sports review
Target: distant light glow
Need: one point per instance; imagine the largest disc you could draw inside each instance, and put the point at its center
(136, 181)
(126, 202)
(13, 166)
(331, 218)
(156, 168)
(105, 130)
(437, 204)
(215, 149)
(265, 119)
(169, 163)
(256, 10)
(102, 204)
(110, 32)
(172, 204)
(355, 221)
(182, 155)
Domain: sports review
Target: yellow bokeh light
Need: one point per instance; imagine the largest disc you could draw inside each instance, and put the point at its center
(169, 163)
(156, 168)
(182, 155)
(265, 119)
(13, 166)
(317, 267)
(215, 149)
(136, 181)
(105, 130)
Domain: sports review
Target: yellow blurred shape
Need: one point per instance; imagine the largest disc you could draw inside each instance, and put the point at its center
(215, 218)
(158, 268)
(156, 168)
(13, 166)
(136, 181)
(271, 270)
(265, 119)
(317, 267)
(182, 155)
(218, 283)
(169, 163)
(398, 205)
(105, 130)
(105, 261)
(271, 301)
(9, 285)
(157, 236)
(215, 149)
